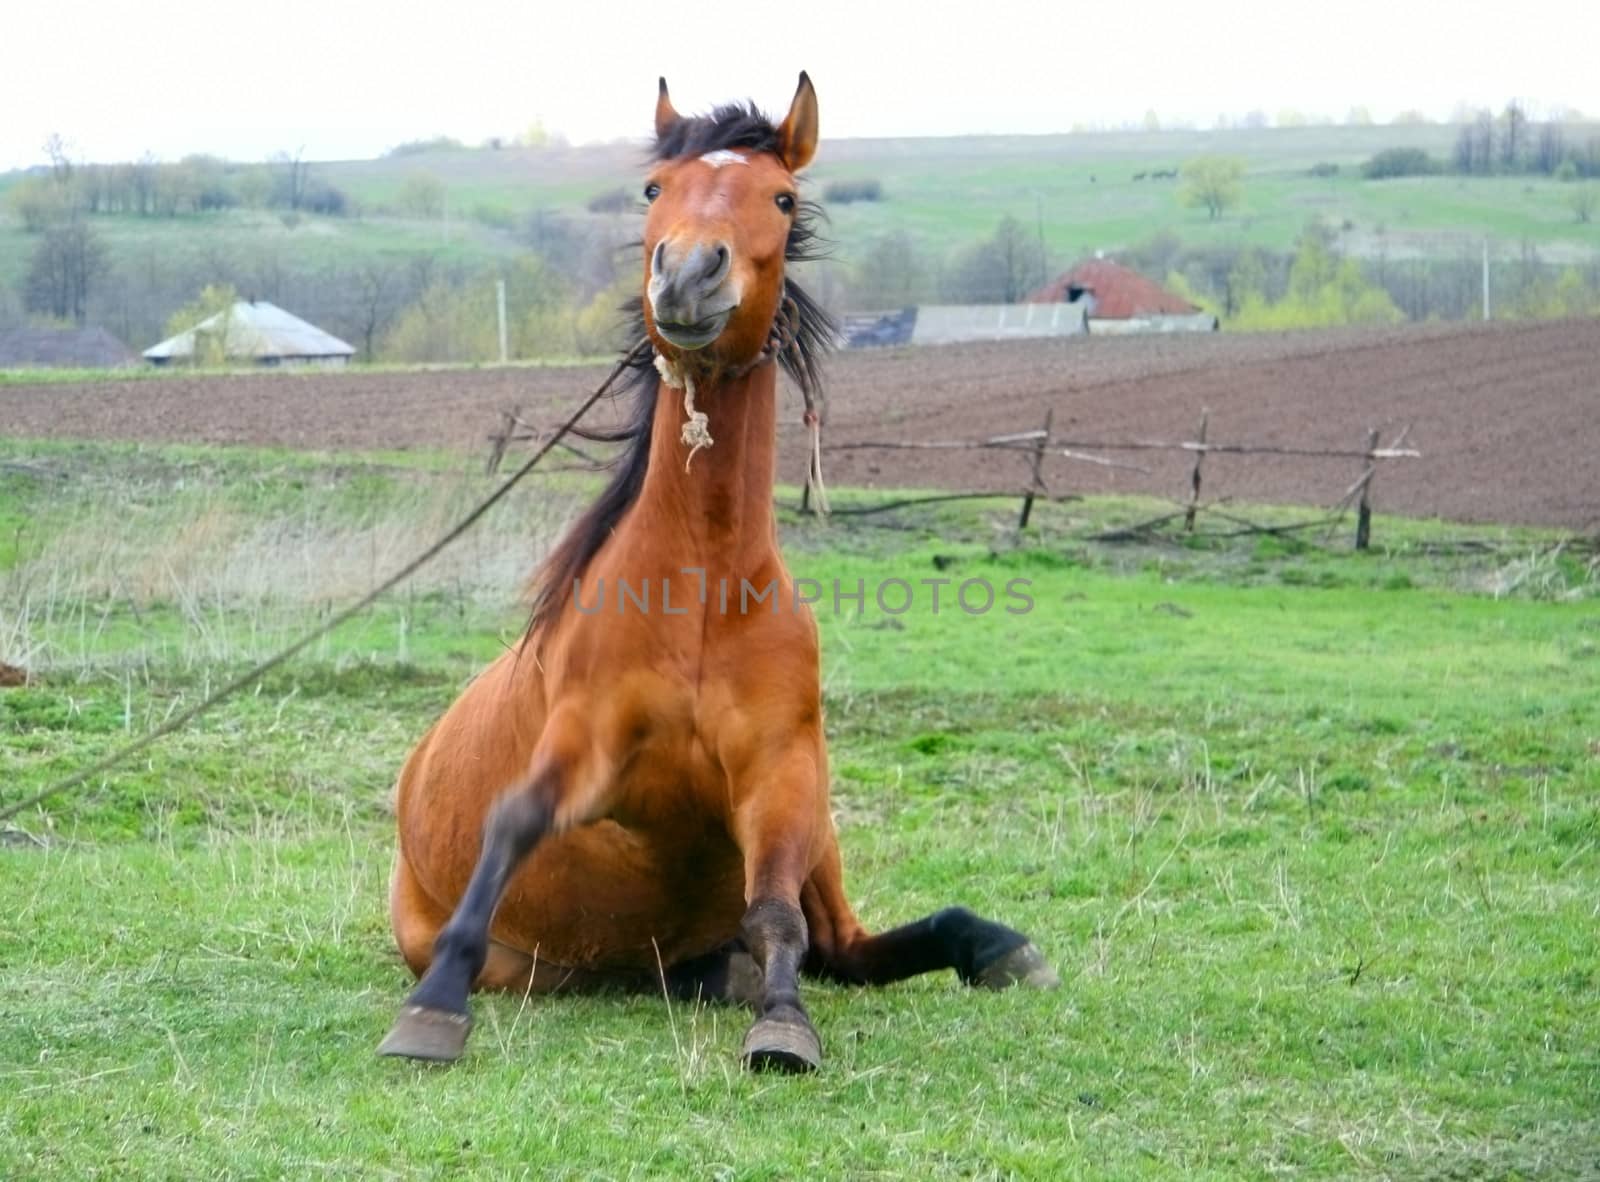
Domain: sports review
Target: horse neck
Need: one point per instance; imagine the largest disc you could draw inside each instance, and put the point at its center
(717, 506)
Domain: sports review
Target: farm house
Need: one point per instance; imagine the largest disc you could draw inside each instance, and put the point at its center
(1120, 300)
(948, 324)
(259, 332)
(1096, 296)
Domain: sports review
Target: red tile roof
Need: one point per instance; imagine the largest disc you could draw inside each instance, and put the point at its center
(1119, 292)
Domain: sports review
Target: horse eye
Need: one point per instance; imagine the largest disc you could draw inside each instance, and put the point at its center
(786, 202)
(652, 191)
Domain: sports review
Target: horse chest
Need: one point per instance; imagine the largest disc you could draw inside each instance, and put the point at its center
(682, 741)
(670, 761)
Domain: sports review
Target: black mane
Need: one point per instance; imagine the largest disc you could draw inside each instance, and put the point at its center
(727, 127)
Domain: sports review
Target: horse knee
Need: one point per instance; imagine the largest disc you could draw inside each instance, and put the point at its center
(465, 943)
(775, 932)
(771, 925)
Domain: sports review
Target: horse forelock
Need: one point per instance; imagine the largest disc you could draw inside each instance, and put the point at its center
(728, 127)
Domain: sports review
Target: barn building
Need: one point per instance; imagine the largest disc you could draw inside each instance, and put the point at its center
(949, 324)
(1120, 300)
(255, 331)
(63, 348)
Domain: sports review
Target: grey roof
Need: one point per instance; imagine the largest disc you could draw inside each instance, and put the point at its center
(63, 347)
(257, 330)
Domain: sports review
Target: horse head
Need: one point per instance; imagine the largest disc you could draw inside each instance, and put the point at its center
(724, 218)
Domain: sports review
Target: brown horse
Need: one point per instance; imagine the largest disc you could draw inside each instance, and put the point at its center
(637, 795)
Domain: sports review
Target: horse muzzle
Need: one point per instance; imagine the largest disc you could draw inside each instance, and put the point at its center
(691, 293)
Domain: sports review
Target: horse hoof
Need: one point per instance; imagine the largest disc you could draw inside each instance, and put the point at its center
(433, 1036)
(1021, 966)
(782, 1046)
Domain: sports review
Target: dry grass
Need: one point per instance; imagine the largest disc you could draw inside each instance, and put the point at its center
(237, 579)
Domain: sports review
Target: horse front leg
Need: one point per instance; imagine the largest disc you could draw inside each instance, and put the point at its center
(775, 827)
(558, 792)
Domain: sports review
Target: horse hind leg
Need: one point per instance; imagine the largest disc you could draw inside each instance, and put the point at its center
(983, 953)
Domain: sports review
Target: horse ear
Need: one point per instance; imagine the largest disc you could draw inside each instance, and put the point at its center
(666, 115)
(797, 137)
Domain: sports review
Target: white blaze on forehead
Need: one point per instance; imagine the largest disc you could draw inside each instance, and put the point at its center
(722, 156)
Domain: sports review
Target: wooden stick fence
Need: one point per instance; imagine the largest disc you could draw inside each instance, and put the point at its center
(515, 429)
(1194, 479)
(1037, 485)
(1037, 445)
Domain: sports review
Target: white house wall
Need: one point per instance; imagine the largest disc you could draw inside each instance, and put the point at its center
(947, 324)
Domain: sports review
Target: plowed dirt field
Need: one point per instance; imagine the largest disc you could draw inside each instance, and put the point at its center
(1507, 416)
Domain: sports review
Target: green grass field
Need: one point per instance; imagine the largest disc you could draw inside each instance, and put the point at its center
(1312, 837)
(260, 238)
(952, 192)
(947, 193)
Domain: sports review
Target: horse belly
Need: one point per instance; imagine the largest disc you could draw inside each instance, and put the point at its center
(605, 896)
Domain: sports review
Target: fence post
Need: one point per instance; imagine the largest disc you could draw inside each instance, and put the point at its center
(1194, 479)
(1364, 509)
(1038, 461)
(497, 449)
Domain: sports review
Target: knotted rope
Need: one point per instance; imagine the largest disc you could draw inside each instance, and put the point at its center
(696, 433)
(814, 474)
(783, 329)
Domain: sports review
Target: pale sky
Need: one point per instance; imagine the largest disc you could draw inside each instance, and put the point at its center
(350, 78)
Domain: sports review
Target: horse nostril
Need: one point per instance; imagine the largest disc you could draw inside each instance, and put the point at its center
(719, 263)
(682, 277)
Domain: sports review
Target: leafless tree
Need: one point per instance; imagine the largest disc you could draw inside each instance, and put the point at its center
(584, 251)
(1550, 149)
(888, 274)
(1588, 160)
(142, 176)
(66, 264)
(55, 147)
(1000, 270)
(379, 297)
(1474, 153)
(1512, 141)
(290, 181)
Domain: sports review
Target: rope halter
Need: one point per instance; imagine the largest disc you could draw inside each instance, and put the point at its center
(696, 433)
